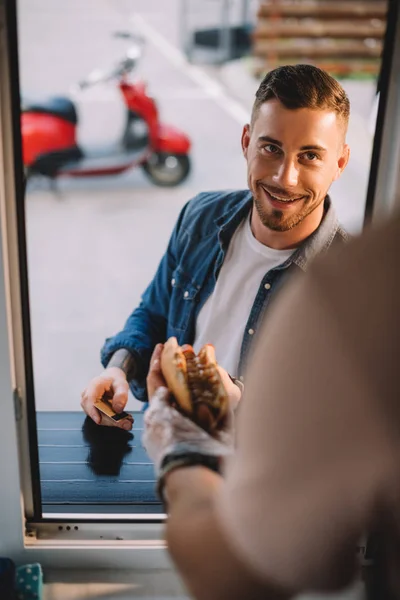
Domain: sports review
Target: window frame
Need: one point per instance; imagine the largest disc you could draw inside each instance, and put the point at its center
(26, 535)
(82, 540)
(383, 193)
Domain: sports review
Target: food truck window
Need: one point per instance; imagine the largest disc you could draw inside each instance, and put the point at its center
(96, 197)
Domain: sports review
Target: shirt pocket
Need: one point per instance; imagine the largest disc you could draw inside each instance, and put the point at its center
(183, 299)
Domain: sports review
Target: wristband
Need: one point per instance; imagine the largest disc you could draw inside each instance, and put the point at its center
(178, 461)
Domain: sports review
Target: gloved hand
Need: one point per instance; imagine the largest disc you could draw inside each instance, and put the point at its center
(168, 432)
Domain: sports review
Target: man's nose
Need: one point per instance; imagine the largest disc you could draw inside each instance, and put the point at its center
(287, 175)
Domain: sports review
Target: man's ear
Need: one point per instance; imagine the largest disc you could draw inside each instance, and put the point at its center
(245, 139)
(342, 161)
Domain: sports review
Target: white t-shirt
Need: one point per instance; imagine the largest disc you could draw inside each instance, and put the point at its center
(222, 319)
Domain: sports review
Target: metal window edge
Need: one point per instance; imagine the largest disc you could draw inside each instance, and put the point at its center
(385, 174)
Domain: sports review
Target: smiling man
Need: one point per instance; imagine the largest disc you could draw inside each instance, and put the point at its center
(231, 252)
(295, 148)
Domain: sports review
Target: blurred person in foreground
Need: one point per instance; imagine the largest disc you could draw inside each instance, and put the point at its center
(317, 453)
(231, 252)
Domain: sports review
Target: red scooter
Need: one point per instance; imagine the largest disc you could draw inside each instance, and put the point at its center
(49, 134)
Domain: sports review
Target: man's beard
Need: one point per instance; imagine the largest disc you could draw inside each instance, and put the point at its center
(277, 221)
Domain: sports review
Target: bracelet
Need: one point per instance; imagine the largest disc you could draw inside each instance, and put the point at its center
(189, 459)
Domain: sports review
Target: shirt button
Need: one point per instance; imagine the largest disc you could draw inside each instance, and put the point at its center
(250, 331)
(241, 378)
(172, 281)
(267, 286)
(186, 295)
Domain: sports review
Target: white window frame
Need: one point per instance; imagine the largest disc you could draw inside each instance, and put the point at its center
(69, 541)
(100, 543)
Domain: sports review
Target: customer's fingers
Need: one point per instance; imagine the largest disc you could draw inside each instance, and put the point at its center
(120, 390)
(155, 378)
(95, 391)
(232, 389)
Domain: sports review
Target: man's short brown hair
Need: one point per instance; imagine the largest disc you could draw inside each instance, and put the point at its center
(303, 86)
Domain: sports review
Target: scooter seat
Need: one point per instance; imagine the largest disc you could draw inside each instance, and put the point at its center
(57, 105)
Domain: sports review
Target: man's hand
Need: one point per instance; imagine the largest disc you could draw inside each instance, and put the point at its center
(168, 431)
(155, 379)
(190, 491)
(113, 386)
(232, 389)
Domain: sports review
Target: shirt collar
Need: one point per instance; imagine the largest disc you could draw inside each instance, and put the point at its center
(230, 220)
(320, 240)
(317, 243)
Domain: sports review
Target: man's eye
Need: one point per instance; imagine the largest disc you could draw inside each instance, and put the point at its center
(310, 156)
(271, 149)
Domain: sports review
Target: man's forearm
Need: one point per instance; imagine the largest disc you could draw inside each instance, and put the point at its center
(189, 493)
(123, 359)
(184, 498)
(197, 544)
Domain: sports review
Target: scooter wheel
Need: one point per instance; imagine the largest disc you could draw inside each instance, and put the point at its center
(167, 170)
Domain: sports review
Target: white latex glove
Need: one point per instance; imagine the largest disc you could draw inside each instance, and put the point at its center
(167, 431)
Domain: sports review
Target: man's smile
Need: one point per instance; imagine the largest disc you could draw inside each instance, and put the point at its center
(278, 201)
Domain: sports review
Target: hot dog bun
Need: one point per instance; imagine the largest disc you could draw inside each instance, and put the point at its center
(195, 384)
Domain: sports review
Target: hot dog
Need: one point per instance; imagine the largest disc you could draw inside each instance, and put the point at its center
(195, 384)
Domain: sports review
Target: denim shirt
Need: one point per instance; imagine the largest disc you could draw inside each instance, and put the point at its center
(188, 271)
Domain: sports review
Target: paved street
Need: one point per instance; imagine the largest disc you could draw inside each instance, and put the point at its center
(93, 247)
